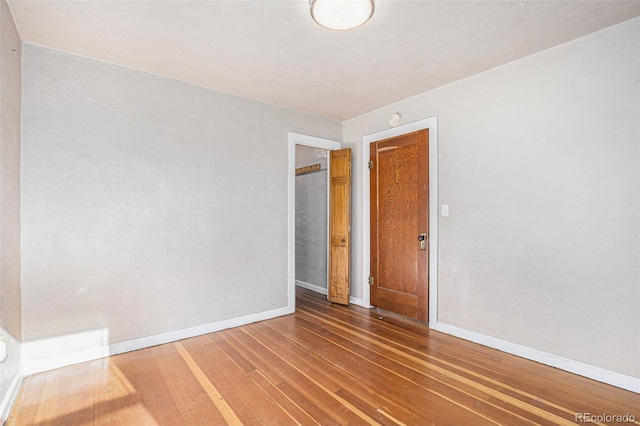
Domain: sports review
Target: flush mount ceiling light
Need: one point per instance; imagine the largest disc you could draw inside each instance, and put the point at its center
(341, 15)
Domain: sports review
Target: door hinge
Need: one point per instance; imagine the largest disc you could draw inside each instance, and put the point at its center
(370, 165)
(370, 280)
(349, 165)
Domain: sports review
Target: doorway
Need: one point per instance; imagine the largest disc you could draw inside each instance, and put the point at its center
(430, 123)
(311, 218)
(399, 217)
(296, 139)
(323, 222)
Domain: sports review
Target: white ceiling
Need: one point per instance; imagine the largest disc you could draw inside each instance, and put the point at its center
(271, 50)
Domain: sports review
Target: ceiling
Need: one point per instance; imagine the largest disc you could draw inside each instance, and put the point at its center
(271, 50)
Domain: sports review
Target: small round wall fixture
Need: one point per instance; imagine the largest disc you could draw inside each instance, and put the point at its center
(394, 119)
(341, 15)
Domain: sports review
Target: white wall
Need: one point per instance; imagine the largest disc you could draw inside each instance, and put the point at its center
(148, 205)
(311, 220)
(539, 161)
(10, 317)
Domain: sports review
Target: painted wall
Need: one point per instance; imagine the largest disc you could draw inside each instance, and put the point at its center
(148, 205)
(10, 308)
(311, 220)
(539, 161)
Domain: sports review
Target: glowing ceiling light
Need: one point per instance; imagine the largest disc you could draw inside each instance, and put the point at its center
(341, 15)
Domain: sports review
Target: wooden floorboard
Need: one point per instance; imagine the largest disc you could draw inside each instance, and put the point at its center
(324, 365)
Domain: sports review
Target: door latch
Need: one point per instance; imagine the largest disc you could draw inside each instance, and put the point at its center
(423, 241)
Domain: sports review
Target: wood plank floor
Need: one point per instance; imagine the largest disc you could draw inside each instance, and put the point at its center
(324, 365)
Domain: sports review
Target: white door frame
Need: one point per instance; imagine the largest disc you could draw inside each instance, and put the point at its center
(314, 142)
(430, 123)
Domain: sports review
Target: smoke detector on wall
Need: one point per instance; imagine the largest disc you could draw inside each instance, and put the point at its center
(394, 119)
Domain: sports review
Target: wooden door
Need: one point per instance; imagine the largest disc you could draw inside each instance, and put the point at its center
(399, 216)
(339, 226)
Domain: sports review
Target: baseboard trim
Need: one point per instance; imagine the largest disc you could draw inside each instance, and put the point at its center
(90, 354)
(10, 397)
(353, 300)
(360, 302)
(311, 287)
(586, 370)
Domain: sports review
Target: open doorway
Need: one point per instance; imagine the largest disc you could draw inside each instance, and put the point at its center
(311, 218)
(296, 139)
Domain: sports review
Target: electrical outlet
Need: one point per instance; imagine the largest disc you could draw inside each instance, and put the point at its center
(445, 210)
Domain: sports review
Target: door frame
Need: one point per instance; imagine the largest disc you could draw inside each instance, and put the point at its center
(313, 142)
(430, 123)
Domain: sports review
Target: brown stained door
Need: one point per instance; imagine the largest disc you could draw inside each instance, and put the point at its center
(339, 226)
(399, 216)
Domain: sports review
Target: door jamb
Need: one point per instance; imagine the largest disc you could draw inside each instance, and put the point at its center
(314, 142)
(430, 123)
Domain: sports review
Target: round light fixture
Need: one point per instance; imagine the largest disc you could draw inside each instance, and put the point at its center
(341, 15)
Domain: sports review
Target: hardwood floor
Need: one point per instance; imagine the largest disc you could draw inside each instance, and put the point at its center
(326, 364)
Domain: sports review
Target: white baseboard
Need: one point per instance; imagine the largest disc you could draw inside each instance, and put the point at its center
(10, 397)
(354, 300)
(35, 365)
(360, 302)
(39, 365)
(590, 371)
(311, 287)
